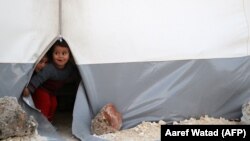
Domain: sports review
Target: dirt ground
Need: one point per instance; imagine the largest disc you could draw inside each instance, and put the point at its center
(150, 131)
(63, 125)
(146, 131)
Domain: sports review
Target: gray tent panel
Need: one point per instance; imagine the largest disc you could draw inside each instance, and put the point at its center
(170, 91)
(148, 91)
(13, 78)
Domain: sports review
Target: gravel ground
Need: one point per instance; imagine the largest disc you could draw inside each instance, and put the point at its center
(146, 131)
(150, 131)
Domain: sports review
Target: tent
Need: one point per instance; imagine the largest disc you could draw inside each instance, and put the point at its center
(154, 59)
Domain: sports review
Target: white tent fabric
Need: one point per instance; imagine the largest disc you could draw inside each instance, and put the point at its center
(116, 31)
(154, 59)
(27, 28)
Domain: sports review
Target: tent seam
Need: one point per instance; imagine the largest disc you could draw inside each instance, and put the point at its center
(247, 23)
(60, 19)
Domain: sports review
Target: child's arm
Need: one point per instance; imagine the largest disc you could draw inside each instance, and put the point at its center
(37, 80)
(26, 92)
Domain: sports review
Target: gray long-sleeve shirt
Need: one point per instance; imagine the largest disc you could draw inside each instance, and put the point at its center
(51, 78)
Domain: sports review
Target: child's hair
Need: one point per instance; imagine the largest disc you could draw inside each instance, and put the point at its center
(61, 42)
(45, 56)
(42, 63)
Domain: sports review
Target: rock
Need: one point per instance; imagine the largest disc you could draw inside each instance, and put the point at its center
(14, 121)
(245, 119)
(108, 120)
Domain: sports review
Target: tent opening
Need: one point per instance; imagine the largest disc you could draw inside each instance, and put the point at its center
(65, 95)
(66, 100)
(64, 114)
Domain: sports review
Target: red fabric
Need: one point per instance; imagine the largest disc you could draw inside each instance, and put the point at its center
(45, 102)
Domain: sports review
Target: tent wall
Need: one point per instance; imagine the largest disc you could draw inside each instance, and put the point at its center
(168, 90)
(159, 59)
(28, 27)
(13, 78)
(154, 59)
(116, 31)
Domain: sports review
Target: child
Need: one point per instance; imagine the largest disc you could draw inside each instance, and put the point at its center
(42, 63)
(39, 66)
(45, 84)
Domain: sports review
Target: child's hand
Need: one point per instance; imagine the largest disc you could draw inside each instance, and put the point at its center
(26, 92)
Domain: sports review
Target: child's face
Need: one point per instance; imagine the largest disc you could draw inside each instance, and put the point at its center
(60, 56)
(42, 63)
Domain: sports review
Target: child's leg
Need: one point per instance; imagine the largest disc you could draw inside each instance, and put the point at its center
(42, 101)
(53, 106)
